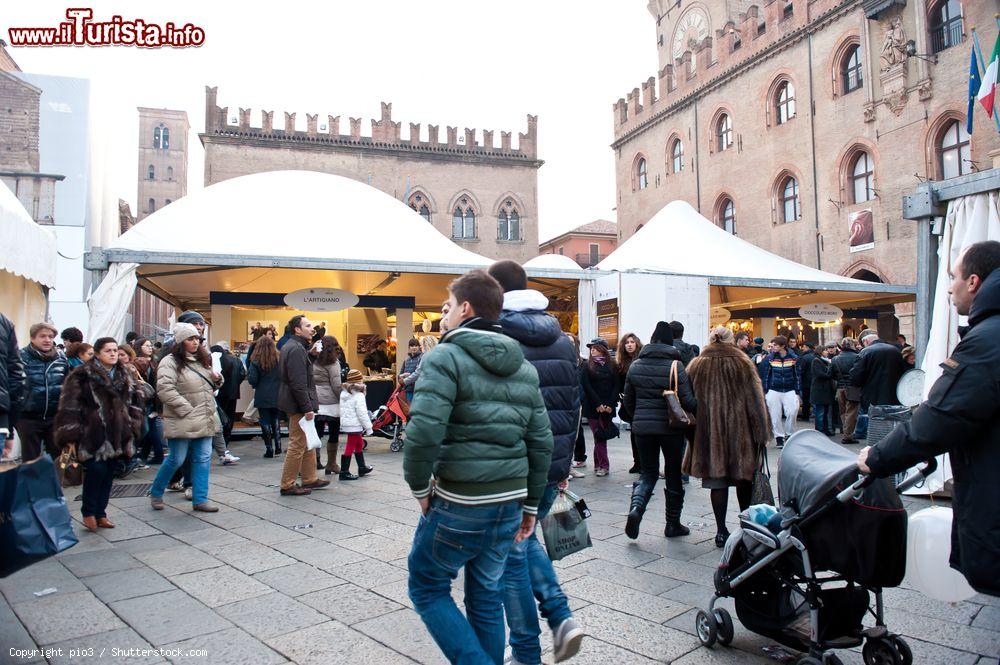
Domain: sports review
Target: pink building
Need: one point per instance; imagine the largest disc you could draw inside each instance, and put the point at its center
(588, 245)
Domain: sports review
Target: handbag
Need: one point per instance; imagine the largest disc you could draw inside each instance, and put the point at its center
(760, 490)
(606, 428)
(564, 528)
(69, 467)
(34, 519)
(223, 418)
(678, 417)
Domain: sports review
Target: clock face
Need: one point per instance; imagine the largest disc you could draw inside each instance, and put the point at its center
(692, 28)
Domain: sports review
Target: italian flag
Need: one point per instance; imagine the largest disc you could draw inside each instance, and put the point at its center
(988, 88)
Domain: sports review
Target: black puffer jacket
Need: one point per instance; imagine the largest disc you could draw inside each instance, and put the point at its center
(877, 372)
(842, 366)
(554, 358)
(962, 417)
(599, 386)
(11, 371)
(647, 378)
(43, 381)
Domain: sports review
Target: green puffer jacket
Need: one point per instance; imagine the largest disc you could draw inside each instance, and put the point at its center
(478, 423)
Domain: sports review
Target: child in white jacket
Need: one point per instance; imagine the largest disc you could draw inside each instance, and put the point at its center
(354, 421)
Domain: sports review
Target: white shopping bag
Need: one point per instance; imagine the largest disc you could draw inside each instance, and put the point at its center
(312, 436)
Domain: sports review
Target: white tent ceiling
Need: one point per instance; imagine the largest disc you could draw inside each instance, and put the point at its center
(26, 249)
(552, 261)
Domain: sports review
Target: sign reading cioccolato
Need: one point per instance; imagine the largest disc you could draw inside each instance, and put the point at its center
(820, 313)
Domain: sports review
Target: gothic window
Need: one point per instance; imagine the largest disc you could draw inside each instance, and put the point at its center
(785, 102)
(151, 173)
(789, 200)
(165, 142)
(677, 156)
(508, 222)
(156, 137)
(724, 132)
(419, 202)
(954, 156)
(851, 76)
(641, 178)
(862, 174)
(463, 221)
(946, 25)
(727, 215)
(170, 173)
(151, 205)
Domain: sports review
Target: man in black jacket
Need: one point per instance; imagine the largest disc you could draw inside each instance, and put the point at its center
(688, 351)
(45, 369)
(11, 381)
(805, 364)
(529, 572)
(848, 396)
(233, 373)
(297, 398)
(877, 372)
(962, 417)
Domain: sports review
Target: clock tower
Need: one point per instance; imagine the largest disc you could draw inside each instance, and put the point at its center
(681, 25)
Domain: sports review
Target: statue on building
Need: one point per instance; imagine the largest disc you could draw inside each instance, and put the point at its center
(894, 45)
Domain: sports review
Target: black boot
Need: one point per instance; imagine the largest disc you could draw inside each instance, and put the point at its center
(268, 444)
(277, 440)
(675, 503)
(363, 469)
(319, 464)
(345, 468)
(640, 497)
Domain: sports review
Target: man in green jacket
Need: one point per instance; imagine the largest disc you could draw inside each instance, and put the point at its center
(478, 449)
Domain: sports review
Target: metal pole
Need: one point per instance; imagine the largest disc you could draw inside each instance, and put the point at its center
(926, 280)
(981, 66)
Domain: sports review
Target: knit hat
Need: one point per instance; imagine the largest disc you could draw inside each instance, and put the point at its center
(355, 376)
(758, 340)
(662, 334)
(191, 316)
(183, 331)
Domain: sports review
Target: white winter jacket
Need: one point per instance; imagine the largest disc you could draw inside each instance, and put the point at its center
(354, 412)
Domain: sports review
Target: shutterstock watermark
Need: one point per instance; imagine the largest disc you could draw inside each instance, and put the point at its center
(82, 30)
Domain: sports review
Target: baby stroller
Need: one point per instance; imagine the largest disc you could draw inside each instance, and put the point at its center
(805, 582)
(389, 419)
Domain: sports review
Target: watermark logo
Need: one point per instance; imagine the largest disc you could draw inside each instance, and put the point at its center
(82, 30)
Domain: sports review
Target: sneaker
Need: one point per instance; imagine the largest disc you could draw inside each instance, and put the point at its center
(141, 466)
(573, 473)
(779, 441)
(188, 493)
(577, 465)
(230, 458)
(156, 502)
(566, 640)
(175, 487)
(601, 472)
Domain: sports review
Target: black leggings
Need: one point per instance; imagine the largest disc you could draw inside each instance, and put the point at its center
(671, 446)
(580, 449)
(720, 502)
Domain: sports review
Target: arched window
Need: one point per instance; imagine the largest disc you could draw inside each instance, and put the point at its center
(946, 25)
(170, 173)
(151, 205)
(727, 215)
(954, 156)
(677, 156)
(508, 222)
(640, 173)
(156, 137)
(851, 76)
(789, 200)
(165, 141)
(419, 202)
(463, 221)
(862, 174)
(151, 173)
(425, 212)
(724, 132)
(785, 102)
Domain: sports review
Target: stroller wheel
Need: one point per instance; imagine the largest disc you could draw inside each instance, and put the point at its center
(396, 445)
(724, 623)
(707, 628)
(906, 656)
(832, 659)
(882, 651)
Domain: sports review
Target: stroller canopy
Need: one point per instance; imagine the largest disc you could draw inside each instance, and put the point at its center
(812, 469)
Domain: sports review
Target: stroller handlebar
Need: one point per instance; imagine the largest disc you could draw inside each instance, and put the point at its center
(849, 493)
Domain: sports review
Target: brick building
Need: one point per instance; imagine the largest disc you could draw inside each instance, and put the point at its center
(799, 124)
(482, 196)
(163, 159)
(587, 244)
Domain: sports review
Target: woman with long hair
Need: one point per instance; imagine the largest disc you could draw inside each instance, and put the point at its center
(78, 353)
(600, 398)
(186, 385)
(264, 378)
(326, 374)
(100, 413)
(733, 424)
(152, 441)
(628, 350)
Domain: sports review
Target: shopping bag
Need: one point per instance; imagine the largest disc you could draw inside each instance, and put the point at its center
(606, 428)
(34, 519)
(312, 436)
(761, 492)
(69, 467)
(565, 529)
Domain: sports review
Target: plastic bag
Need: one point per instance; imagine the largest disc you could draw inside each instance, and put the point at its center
(312, 436)
(565, 529)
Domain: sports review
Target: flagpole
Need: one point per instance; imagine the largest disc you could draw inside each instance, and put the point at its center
(982, 65)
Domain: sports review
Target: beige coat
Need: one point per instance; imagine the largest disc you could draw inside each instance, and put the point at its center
(189, 410)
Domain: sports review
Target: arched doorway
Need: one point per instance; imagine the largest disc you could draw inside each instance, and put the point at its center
(867, 275)
(888, 324)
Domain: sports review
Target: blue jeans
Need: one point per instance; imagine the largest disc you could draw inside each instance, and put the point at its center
(153, 441)
(823, 420)
(449, 537)
(530, 576)
(861, 429)
(200, 451)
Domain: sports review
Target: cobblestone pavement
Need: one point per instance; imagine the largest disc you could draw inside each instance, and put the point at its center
(250, 585)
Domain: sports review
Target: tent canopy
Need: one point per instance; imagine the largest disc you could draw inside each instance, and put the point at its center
(29, 250)
(553, 261)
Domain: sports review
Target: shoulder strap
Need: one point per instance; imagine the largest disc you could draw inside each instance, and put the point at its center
(673, 376)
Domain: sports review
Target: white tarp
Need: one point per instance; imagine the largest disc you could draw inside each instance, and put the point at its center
(28, 250)
(969, 220)
(552, 262)
(109, 303)
(679, 240)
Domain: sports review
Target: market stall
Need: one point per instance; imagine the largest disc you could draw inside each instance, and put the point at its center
(27, 265)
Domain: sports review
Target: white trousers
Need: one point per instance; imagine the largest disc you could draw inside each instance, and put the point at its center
(778, 402)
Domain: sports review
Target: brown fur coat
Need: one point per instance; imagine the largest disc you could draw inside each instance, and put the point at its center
(101, 414)
(733, 423)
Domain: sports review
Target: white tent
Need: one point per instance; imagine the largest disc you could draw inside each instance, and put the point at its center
(27, 264)
(553, 262)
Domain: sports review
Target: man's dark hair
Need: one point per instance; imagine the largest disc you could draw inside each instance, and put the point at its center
(484, 293)
(295, 322)
(981, 259)
(510, 274)
(743, 334)
(678, 329)
(72, 335)
(130, 337)
(902, 337)
(780, 340)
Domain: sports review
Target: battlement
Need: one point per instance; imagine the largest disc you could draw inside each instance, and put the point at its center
(745, 38)
(385, 132)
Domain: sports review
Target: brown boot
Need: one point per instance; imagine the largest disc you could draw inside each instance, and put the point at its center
(105, 523)
(332, 448)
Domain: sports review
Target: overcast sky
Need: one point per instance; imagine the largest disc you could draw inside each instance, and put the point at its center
(444, 62)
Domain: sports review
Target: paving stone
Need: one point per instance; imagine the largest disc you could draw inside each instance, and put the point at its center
(96, 563)
(926, 653)
(251, 557)
(918, 603)
(379, 547)
(173, 522)
(988, 619)
(108, 647)
(220, 586)
(231, 518)
(595, 652)
(349, 603)
(629, 632)
(268, 535)
(124, 584)
(720, 656)
(146, 544)
(395, 530)
(369, 573)
(623, 599)
(333, 643)
(298, 579)
(271, 615)
(620, 574)
(323, 555)
(127, 528)
(15, 642)
(60, 617)
(690, 594)
(177, 560)
(178, 617)
(683, 571)
(207, 537)
(332, 532)
(964, 638)
(227, 647)
(403, 631)
(50, 574)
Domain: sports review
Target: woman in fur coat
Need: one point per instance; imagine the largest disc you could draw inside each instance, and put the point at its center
(733, 425)
(100, 414)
